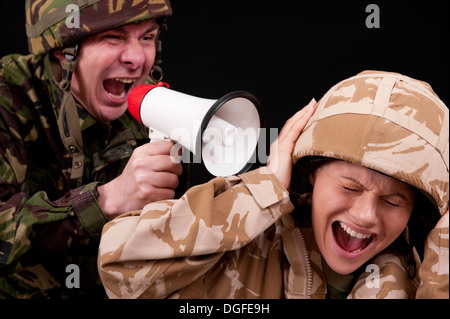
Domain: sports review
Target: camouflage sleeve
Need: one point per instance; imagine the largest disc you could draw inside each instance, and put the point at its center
(154, 253)
(385, 277)
(56, 225)
(434, 270)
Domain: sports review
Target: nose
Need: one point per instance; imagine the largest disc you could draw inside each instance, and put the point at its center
(133, 55)
(364, 211)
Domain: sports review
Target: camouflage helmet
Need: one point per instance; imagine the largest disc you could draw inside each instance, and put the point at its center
(387, 122)
(54, 24)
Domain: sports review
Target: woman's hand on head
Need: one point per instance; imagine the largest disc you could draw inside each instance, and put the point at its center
(443, 222)
(280, 158)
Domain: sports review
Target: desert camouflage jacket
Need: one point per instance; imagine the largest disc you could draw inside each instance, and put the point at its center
(46, 222)
(237, 237)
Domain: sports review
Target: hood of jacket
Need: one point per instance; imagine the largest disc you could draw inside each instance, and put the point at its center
(387, 122)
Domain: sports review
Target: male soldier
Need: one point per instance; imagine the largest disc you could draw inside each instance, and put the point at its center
(72, 158)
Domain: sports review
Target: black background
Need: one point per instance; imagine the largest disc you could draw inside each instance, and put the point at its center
(287, 52)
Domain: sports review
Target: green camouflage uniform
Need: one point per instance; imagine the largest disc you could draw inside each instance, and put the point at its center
(49, 220)
(243, 237)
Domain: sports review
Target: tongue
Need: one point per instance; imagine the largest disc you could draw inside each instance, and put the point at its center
(348, 242)
(114, 87)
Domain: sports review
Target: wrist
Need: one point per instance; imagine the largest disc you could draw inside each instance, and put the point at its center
(106, 201)
(87, 209)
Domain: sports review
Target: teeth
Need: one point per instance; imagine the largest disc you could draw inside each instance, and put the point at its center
(123, 80)
(354, 233)
(121, 95)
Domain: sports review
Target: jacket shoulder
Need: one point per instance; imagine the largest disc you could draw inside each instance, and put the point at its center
(16, 68)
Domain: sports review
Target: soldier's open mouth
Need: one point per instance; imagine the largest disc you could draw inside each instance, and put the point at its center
(350, 240)
(118, 87)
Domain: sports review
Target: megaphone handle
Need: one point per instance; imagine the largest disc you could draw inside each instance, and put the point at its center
(156, 135)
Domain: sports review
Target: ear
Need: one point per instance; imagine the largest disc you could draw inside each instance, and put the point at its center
(58, 53)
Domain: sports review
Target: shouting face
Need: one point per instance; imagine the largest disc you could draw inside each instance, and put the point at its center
(356, 213)
(110, 64)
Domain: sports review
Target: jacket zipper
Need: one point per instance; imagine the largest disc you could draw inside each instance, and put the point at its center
(306, 260)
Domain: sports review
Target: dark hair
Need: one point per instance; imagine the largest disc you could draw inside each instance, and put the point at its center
(423, 219)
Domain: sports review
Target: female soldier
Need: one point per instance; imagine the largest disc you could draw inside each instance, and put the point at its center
(375, 154)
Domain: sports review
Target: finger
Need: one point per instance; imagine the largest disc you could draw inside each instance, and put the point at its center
(163, 180)
(444, 221)
(293, 127)
(301, 117)
(163, 163)
(305, 112)
(156, 148)
(301, 121)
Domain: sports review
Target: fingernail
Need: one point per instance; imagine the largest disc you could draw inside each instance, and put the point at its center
(312, 103)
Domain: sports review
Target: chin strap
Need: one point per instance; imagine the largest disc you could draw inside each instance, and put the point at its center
(68, 120)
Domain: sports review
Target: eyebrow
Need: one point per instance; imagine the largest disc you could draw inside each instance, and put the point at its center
(122, 31)
(364, 188)
(152, 28)
(354, 181)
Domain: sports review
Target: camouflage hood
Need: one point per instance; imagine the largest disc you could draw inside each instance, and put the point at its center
(54, 24)
(387, 122)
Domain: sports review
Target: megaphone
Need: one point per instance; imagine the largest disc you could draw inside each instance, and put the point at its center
(223, 132)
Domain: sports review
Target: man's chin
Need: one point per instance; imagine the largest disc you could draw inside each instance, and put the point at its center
(110, 113)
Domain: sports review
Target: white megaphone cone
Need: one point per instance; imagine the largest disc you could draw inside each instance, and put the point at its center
(223, 132)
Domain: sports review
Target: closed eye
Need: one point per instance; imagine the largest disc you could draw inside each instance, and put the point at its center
(397, 200)
(391, 203)
(351, 189)
(112, 38)
(352, 184)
